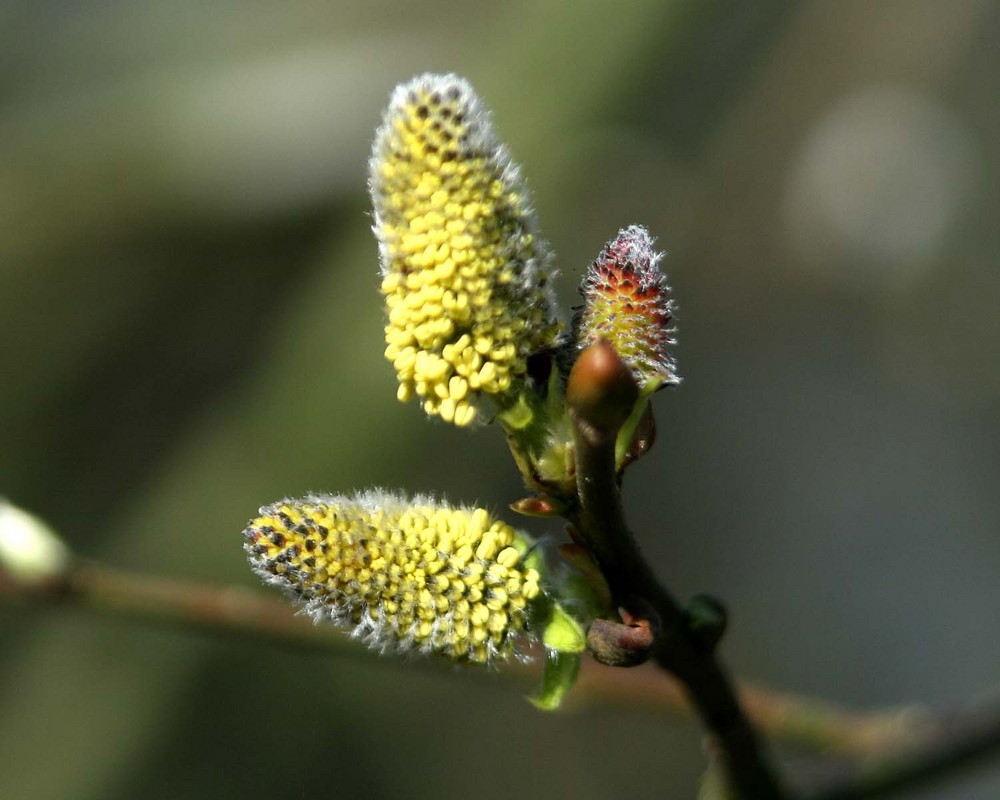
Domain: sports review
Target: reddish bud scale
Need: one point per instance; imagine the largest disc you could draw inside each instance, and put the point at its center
(600, 387)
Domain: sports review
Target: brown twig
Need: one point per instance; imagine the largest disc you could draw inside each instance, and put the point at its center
(923, 746)
(238, 611)
(231, 610)
(599, 397)
(897, 750)
(879, 752)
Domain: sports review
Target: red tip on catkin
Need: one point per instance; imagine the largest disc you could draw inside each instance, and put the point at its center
(627, 301)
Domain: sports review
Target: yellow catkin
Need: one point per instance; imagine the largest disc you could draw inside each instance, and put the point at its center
(418, 576)
(464, 273)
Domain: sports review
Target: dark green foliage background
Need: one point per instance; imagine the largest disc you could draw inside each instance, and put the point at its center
(191, 328)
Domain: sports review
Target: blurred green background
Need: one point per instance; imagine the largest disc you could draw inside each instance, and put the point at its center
(191, 328)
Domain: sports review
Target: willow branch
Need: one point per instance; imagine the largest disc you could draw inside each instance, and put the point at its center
(600, 397)
(242, 612)
(926, 747)
(230, 610)
(881, 750)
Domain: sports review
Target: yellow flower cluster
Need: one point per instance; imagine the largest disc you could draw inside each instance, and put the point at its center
(463, 270)
(407, 577)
